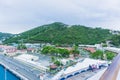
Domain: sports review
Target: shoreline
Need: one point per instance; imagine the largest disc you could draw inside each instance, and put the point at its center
(14, 72)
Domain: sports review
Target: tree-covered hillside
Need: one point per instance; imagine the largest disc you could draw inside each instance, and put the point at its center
(59, 33)
(4, 36)
(115, 40)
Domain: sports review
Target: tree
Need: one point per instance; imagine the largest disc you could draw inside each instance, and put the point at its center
(58, 52)
(64, 52)
(97, 55)
(110, 55)
(47, 49)
(53, 59)
(58, 63)
(21, 46)
(115, 40)
(75, 51)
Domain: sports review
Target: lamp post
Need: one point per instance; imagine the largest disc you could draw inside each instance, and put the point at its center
(104, 55)
(5, 74)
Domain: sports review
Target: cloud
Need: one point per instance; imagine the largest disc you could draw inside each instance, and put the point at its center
(21, 15)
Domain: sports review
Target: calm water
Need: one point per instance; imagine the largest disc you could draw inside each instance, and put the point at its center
(9, 75)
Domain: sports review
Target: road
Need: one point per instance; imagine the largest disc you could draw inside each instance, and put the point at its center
(27, 71)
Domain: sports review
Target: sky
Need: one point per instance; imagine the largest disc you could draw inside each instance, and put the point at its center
(17, 16)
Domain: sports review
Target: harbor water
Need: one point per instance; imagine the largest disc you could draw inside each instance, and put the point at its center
(5, 74)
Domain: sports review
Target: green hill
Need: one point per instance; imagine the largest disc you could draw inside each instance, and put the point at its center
(59, 33)
(4, 36)
(115, 40)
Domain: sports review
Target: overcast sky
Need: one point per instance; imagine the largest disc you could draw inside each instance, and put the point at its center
(20, 15)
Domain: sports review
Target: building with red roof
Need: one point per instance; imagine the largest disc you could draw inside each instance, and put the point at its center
(90, 49)
(7, 49)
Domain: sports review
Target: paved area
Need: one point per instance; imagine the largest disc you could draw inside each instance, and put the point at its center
(43, 59)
